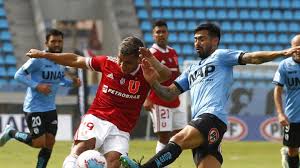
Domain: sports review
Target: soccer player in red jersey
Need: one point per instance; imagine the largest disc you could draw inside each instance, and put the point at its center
(119, 98)
(166, 117)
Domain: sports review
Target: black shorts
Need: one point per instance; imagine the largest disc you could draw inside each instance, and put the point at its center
(213, 129)
(291, 135)
(40, 123)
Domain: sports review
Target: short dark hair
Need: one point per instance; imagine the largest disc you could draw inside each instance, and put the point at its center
(212, 28)
(159, 23)
(53, 32)
(130, 46)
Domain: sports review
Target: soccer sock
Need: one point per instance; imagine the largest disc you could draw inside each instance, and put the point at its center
(70, 161)
(21, 136)
(43, 157)
(293, 161)
(159, 146)
(164, 157)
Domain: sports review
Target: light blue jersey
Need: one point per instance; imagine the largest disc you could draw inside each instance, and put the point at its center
(288, 75)
(209, 83)
(34, 72)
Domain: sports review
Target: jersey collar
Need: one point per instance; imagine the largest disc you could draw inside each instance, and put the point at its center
(155, 46)
(135, 71)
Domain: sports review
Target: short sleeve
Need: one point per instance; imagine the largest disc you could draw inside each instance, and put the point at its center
(230, 57)
(31, 65)
(96, 63)
(279, 76)
(182, 82)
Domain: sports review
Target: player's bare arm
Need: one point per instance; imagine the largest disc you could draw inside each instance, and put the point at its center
(67, 59)
(259, 57)
(282, 118)
(163, 71)
(167, 93)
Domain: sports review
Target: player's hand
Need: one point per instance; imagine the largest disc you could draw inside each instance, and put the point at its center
(76, 82)
(150, 74)
(291, 51)
(283, 120)
(148, 105)
(44, 88)
(145, 53)
(34, 53)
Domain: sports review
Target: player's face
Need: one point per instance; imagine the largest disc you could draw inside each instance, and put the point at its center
(128, 63)
(160, 36)
(296, 55)
(203, 43)
(55, 44)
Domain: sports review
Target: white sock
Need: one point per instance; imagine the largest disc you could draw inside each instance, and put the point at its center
(284, 156)
(159, 147)
(70, 161)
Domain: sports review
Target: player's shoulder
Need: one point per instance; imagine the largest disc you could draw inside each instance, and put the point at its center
(286, 62)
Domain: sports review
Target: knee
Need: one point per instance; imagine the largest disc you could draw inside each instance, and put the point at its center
(39, 142)
(178, 139)
(112, 160)
(293, 152)
(164, 138)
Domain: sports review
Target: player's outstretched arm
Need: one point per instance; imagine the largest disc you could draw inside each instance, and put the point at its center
(163, 71)
(67, 59)
(259, 57)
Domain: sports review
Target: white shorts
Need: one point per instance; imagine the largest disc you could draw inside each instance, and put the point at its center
(108, 136)
(167, 119)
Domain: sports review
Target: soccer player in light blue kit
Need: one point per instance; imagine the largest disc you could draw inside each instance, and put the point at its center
(43, 77)
(288, 76)
(209, 82)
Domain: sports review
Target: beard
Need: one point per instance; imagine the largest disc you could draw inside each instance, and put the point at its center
(55, 50)
(202, 53)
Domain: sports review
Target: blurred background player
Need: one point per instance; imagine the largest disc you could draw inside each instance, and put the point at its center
(209, 82)
(43, 77)
(166, 117)
(118, 102)
(288, 75)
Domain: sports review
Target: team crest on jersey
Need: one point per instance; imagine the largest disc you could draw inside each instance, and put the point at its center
(111, 76)
(213, 135)
(133, 86)
(170, 60)
(122, 81)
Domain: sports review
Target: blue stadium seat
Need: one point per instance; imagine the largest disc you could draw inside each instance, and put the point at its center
(287, 15)
(165, 3)
(252, 4)
(227, 38)
(222, 46)
(2, 13)
(187, 49)
(191, 25)
(237, 25)
(5, 35)
(200, 14)
(244, 47)
(221, 14)
(139, 3)
(285, 4)
(276, 14)
(242, 3)
(272, 38)
(171, 25)
(148, 37)
(249, 38)
(183, 37)
(187, 3)
(2, 60)
(3, 24)
(260, 38)
(142, 14)
(146, 25)
(297, 15)
(177, 48)
(255, 47)
(232, 14)
(265, 14)
(263, 4)
(254, 14)
(10, 60)
(11, 71)
(178, 14)
(231, 4)
(180, 25)
(198, 4)
(209, 3)
(266, 48)
(274, 4)
(7, 47)
(271, 26)
(189, 14)
(167, 14)
(180, 60)
(238, 38)
(248, 26)
(211, 14)
(172, 37)
(3, 82)
(220, 3)
(155, 3)
(156, 14)
(283, 38)
(244, 14)
(226, 25)
(295, 4)
(3, 72)
(176, 3)
(282, 27)
(260, 26)
(294, 27)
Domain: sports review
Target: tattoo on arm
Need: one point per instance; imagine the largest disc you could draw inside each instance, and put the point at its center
(166, 93)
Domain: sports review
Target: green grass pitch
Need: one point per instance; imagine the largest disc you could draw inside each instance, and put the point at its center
(236, 154)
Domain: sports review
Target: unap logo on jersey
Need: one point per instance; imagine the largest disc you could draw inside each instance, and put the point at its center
(271, 129)
(236, 129)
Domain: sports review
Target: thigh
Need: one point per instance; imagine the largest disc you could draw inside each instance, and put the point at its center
(161, 118)
(179, 119)
(291, 135)
(51, 122)
(81, 146)
(209, 161)
(35, 123)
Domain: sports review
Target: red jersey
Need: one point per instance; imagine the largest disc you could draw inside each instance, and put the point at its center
(119, 97)
(169, 58)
